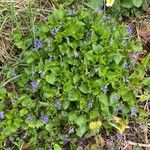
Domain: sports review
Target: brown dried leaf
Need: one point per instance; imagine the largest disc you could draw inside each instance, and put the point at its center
(26, 146)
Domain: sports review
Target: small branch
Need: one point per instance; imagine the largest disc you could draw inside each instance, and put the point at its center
(138, 144)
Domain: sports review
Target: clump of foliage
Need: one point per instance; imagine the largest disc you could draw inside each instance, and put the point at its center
(127, 8)
(75, 77)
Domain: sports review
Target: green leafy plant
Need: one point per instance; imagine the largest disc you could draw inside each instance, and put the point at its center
(134, 3)
(128, 7)
(76, 75)
(130, 3)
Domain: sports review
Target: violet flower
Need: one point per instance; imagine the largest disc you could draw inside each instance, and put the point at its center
(34, 85)
(134, 112)
(118, 108)
(37, 43)
(134, 55)
(2, 115)
(90, 105)
(129, 29)
(54, 31)
(58, 105)
(72, 12)
(71, 130)
(29, 118)
(42, 73)
(51, 58)
(66, 140)
(125, 65)
(98, 10)
(76, 54)
(119, 136)
(44, 119)
(142, 126)
(14, 74)
(105, 89)
(13, 100)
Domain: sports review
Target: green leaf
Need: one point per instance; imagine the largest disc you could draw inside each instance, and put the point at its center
(49, 127)
(95, 3)
(84, 88)
(73, 95)
(137, 3)
(2, 92)
(146, 81)
(145, 5)
(81, 130)
(48, 95)
(59, 13)
(129, 98)
(117, 58)
(30, 60)
(44, 28)
(76, 78)
(43, 103)
(65, 104)
(26, 101)
(94, 114)
(127, 3)
(90, 56)
(67, 86)
(23, 112)
(57, 147)
(103, 71)
(146, 61)
(80, 121)
(114, 98)
(50, 78)
(103, 100)
(137, 47)
(72, 116)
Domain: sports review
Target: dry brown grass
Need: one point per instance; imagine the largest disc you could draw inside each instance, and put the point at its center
(16, 13)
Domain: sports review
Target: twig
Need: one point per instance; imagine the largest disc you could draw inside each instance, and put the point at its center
(138, 144)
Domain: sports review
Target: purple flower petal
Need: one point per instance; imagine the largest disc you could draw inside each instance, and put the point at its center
(134, 55)
(66, 140)
(90, 105)
(119, 136)
(41, 73)
(129, 29)
(72, 12)
(14, 74)
(142, 126)
(13, 100)
(37, 43)
(58, 105)
(34, 84)
(71, 130)
(54, 31)
(29, 118)
(44, 119)
(99, 10)
(105, 89)
(134, 112)
(2, 115)
(125, 65)
(51, 58)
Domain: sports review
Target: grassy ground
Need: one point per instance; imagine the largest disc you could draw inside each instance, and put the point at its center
(22, 16)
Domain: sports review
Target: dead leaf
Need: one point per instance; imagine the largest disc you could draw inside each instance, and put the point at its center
(26, 146)
(121, 124)
(101, 142)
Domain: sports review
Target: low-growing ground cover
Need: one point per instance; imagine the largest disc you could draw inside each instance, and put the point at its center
(76, 78)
